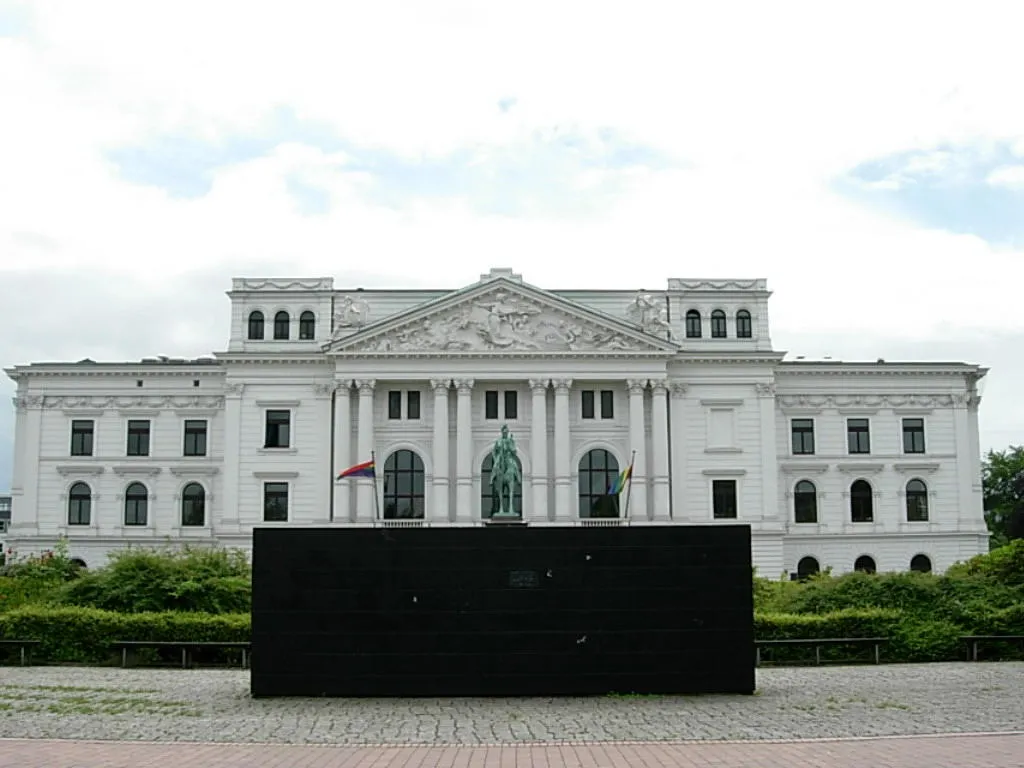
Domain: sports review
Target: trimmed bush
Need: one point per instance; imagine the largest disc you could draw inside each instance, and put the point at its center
(85, 634)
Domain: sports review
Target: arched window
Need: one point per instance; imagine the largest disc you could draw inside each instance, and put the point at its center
(78, 562)
(718, 327)
(862, 507)
(744, 327)
(489, 502)
(807, 567)
(805, 502)
(79, 504)
(282, 325)
(256, 325)
(921, 564)
(136, 504)
(917, 501)
(693, 325)
(193, 505)
(865, 564)
(598, 470)
(307, 326)
(404, 486)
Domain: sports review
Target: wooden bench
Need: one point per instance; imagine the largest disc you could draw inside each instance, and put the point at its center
(820, 642)
(186, 647)
(974, 641)
(22, 645)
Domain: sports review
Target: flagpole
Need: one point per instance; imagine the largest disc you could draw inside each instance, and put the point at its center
(629, 488)
(376, 494)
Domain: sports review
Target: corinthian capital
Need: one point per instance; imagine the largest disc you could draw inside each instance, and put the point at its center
(365, 385)
(561, 385)
(464, 385)
(636, 386)
(440, 386)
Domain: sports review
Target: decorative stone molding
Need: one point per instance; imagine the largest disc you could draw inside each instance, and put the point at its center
(194, 470)
(659, 387)
(721, 402)
(29, 401)
(917, 466)
(561, 386)
(234, 389)
(365, 385)
(464, 385)
(804, 467)
(860, 468)
(765, 389)
(139, 401)
(136, 470)
(275, 474)
(865, 401)
(678, 389)
(278, 403)
(440, 385)
(80, 469)
(636, 386)
(724, 472)
(268, 285)
(324, 390)
(676, 284)
(539, 385)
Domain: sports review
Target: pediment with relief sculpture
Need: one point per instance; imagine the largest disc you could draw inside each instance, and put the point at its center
(502, 316)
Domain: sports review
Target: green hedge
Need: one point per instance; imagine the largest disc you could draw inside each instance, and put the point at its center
(85, 634)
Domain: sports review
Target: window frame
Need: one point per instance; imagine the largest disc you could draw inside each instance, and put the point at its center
(78, 503)
(138, 438)
(192, 500)
(811, 496)
(744, 324)
(601, 502)
(267, 429)
(858, 432)
(275, 491)
(137, 504)
(587, 404)
(191, 432)
(282, 325)
(725, 482)
(394, 404)
(694, 324)
(256, 326)
(913, 433)
(87, 435)
(855, 509)
(491, 405)
(803, 432)
(719, 324)
(916, 501)
(417, 478)
(307, 326)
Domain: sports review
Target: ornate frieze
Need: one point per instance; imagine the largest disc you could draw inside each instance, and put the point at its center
(264, 284)
(675, 284)
(500, 321)
(865, 401)
(120, 402)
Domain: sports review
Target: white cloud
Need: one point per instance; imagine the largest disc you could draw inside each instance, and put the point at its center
(766, 102)
(1009, 176)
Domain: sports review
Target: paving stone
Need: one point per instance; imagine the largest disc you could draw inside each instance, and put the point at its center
(791, 703)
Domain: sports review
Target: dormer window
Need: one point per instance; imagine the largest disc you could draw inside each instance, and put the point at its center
(718, 326)
(282, 326)
(255, 326)
(693, 324)
(744, 327)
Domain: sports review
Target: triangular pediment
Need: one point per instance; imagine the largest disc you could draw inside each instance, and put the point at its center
(502, 316)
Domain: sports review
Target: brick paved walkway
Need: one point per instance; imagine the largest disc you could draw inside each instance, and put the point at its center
(958, 751)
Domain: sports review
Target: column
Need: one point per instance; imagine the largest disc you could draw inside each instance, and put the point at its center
(965, 464)
(659, 448)
(229, 503)
(677, 450)
(343, 450)
(565, 509)
(539, 450)
(439, 506)
(465, 509)
(637, 492)
(366, 487)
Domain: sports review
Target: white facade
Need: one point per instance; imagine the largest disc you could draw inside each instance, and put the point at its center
(824, 460)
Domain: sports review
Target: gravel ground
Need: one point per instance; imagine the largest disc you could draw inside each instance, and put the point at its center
(214, 706)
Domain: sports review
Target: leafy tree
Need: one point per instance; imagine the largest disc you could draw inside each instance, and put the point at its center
(1003, 478)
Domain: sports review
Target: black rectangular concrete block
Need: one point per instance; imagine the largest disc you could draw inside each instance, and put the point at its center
(496, 611)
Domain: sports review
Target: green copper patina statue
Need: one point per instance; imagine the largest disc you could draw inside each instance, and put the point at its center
(505, 474)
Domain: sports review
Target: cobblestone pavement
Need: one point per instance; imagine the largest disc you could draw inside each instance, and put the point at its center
(792, 703)
(979, 751)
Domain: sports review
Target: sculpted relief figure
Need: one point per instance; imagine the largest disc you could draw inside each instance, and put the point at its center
(350, 313)
(650, 314)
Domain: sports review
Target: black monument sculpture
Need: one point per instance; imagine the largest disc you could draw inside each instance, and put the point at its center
(502, 611)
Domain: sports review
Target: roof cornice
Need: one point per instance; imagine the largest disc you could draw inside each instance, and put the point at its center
(273, 358)
(112, 370)
(837, 368)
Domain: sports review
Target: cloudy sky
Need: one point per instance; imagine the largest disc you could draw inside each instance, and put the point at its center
(867, 158)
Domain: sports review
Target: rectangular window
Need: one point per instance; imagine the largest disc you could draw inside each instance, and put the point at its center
(803, 436)
(858, 437)
(278, 434)
(81, 437)
(275, 502)
(913, 435)
(491, 404)
(723, 494)
(394, 405)
(195, 438)
(587, 403)
(607, 404)
(412, 405)
(511, 404)
(138, 438)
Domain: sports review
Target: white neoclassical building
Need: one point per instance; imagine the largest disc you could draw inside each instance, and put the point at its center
(841, 465)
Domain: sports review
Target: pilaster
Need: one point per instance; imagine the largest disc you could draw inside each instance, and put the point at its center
(366, 487)
(660, 448)
(25, 477)
(637, 491)
(677, 449)
(769, 455)
(342, 489)
(229, 521)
